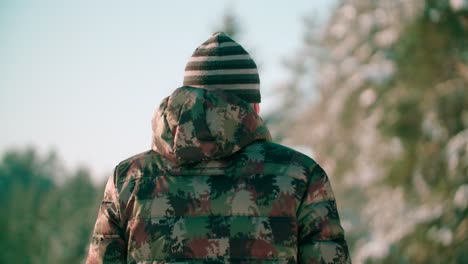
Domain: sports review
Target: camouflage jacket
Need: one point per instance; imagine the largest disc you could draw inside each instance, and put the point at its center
(215, 189)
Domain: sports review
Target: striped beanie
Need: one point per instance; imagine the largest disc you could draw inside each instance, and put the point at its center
(220, 63)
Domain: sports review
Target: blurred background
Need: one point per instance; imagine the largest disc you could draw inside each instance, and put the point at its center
(375, 90)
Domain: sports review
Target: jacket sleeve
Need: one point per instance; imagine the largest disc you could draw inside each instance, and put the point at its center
(108, 242)
(320, 235)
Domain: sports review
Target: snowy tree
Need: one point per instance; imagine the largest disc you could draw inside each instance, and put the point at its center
(390, 126)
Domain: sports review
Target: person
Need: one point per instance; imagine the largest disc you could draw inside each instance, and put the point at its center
(214, 188)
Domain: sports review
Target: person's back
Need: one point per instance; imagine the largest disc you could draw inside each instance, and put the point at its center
(215, 189)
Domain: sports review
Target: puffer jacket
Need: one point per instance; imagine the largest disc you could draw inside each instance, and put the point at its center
(215, 189)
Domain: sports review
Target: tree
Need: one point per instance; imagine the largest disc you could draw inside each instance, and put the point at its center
(390, 127)
(230, 24)
(294, 92)
(47, 214)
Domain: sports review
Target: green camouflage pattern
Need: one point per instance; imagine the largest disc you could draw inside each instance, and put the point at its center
(215, 189)
(194, 124)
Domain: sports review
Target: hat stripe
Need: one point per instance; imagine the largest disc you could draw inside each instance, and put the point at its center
(220, 45)
(229, 87)
(222, 79)
(218, 38)
(221, 72)
(221, 58)
(218, 65)
(221, 51)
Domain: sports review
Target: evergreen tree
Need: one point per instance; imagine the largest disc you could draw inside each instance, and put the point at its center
(230, 24)
(390, 127)
(47, 214)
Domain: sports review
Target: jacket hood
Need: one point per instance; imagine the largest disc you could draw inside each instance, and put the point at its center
(195, 124)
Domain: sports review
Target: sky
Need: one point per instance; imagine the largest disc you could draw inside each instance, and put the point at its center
(83, 77)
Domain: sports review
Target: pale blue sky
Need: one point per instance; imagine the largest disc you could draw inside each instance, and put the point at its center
(83, 77)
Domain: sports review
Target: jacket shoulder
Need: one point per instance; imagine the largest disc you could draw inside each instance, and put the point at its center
(277, 159)
(274, 152)
(136, 166)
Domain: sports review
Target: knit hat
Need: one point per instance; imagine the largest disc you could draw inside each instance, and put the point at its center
(220, 63)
